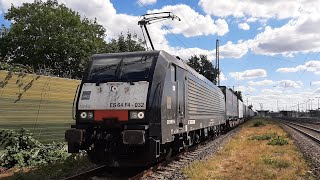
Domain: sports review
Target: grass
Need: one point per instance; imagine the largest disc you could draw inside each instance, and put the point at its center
(41, 104)
(278, 141)
(73, 165)
(248, 156)
(263, 137)
(258, 123)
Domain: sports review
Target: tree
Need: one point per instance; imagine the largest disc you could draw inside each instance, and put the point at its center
(238, 94)
(48, 35)
(203, 66)
(129, 43)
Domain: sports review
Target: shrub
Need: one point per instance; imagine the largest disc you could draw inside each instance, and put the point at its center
(21, 149)
(280, 141)
(258, 123)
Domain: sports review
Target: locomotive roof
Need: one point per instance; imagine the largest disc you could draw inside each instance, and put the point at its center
(165, 55)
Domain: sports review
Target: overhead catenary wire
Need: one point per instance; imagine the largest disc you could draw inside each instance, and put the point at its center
(183, 44)
(308, 66)
(184, 18)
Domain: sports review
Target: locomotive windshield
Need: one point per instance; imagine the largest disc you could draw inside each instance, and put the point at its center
(136, 68)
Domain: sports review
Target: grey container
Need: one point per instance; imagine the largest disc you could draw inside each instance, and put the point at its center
(231, 103)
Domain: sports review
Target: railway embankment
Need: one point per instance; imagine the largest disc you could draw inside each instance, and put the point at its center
(262, 149)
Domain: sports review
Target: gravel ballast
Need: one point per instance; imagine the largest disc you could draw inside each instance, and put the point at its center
(309, 148)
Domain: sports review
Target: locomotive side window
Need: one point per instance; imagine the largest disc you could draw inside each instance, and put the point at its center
(173, 73)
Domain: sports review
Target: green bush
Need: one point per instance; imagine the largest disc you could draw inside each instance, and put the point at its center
(20, 149)
(258, 123)
(280, 141)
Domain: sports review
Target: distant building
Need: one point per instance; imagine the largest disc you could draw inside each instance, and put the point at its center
(263, 113)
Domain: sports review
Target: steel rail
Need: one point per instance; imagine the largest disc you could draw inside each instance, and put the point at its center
(87, 174)
(179, 156)
(317, 140)
(307, 127)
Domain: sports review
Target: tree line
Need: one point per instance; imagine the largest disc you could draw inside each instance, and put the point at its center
(52, 39)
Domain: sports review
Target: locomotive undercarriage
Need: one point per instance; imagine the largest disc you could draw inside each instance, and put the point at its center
(106, 146)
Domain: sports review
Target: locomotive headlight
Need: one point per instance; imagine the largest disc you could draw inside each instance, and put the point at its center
(86, 115)
(83, 115)
(136, 114)
(141, 115)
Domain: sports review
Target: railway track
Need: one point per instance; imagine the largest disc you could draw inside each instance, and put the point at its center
(311, 133)
(164, 168)
(87, 174)
(159, 171)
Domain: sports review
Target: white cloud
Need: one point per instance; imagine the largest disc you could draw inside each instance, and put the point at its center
(251, 19)
(260, 83)
(298, 35)
(244, 26)
(311, 66)
(246, 89)
(6, 4)
(271, 91)
(230, 50)
(147, 2)
(315, 83)
(259, 9)
(223, 77)
(274, 99)
(249, 74)
(195, 24)
(289, 84)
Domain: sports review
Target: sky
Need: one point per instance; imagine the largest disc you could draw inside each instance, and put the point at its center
(269, 50)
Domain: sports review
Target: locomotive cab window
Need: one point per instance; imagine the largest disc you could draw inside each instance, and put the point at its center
(127, 69)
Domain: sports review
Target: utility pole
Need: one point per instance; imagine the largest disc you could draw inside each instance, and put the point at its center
(217, 62)
(318, 102)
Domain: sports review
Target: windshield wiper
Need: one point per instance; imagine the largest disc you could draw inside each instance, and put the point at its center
(100, 70)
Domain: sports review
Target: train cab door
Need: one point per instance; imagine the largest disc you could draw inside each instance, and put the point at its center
(180, 76)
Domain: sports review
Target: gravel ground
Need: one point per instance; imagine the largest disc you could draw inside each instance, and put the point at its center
(309, 148)
(208, 151)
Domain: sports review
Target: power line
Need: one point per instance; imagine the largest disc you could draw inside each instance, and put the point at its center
(170, 31)
(184, 18)
(308, 66)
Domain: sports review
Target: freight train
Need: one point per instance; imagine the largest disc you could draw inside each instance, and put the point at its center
(138, 108)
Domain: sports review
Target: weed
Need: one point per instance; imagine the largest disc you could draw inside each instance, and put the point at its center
(279, 140)
(263, 137)
(258, 123)
(276, 163)
(21, 149)
(58, 170)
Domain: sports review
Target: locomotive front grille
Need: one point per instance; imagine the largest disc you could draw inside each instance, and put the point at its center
(133, 137)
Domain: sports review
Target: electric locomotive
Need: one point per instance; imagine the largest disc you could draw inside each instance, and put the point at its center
(136, 108)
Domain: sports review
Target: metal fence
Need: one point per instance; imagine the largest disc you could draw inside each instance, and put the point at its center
(41, 104)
